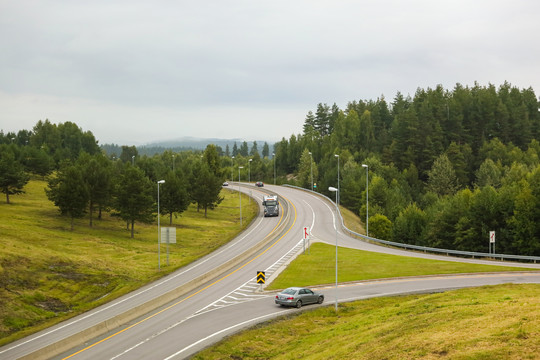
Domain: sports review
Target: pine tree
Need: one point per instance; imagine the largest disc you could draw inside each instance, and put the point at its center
(174, 198)
(69, 192)
(442, 177)
(12, 175)
(134, 198)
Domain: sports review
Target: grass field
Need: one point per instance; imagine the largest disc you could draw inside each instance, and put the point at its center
(492, 322)
(354, 265)
(49, 273)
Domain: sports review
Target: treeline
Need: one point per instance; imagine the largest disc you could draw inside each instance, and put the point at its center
(84, 180)
(445, 166)
(114, 150)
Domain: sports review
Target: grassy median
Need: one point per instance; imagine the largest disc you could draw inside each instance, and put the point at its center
(49, 273)
(319, 267)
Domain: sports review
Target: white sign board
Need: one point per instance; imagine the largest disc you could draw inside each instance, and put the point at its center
(492, 237)
(168, 235)
(305, 233)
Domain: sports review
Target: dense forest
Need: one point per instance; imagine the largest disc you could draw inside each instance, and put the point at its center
(442, 168)
(445, 166)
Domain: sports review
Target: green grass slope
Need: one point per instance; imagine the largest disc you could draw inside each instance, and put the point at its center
(49, 273)
(492, 322)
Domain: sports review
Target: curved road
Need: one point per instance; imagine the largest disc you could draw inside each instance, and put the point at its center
(224, 304)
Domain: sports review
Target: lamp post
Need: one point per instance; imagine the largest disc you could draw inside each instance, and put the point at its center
(249, 170)
(240, 194)
(333, 189)
(311, 163)
(274, 157)
(232, 168)
(173, 161)
(337, 194)
(367, 199)
(158, 226)
(132, 160)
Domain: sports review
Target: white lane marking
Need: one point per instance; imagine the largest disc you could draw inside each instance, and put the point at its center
(226, 300)
(257, 319)
(313, 215)
(93, 313)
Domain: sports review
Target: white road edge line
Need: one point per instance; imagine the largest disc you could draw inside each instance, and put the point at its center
(224, 330)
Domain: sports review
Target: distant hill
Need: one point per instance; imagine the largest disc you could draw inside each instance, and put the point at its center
(183, 144)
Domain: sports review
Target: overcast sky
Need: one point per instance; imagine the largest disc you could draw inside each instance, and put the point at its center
(135, 72)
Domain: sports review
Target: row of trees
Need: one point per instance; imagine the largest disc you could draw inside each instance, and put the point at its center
(95, 183)
(84, 180)
(445, 167)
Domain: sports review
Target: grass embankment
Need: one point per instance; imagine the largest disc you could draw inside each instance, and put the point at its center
(49, 273)
(492, 322)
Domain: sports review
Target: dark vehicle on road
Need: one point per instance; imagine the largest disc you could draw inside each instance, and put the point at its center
(259, 184)
(298, 296)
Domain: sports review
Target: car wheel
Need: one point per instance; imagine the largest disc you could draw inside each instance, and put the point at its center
(298, 304)
(320, 300)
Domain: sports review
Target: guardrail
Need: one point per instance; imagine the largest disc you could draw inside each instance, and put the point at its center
(425, 249)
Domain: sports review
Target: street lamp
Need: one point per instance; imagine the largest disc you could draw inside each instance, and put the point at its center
(249, 170)
(274, 157)
(158, 226)
(173, 161)
(367, 199)
(240, 194)
(132, 160)
(232, 168)
(311, 163)
(337, 194)
(333, 189)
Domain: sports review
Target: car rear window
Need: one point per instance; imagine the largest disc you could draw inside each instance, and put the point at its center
(289, 291)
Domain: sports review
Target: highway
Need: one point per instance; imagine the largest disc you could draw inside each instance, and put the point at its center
(217, 295)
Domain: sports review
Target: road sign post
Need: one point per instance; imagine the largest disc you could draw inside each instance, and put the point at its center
(168, 236)
(492, 241)
(261, 278)
(305, 236)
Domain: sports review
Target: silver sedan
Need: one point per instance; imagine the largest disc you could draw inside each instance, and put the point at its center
(297, 296)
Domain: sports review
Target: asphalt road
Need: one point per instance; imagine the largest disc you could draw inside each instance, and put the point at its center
(230, 301)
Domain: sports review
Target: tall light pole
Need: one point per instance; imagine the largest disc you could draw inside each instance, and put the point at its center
(367, 199)
(249, 170)
(333, 189)
(240, 194)
(173, 160)
(274, 157)
(232, 168)
(337, 194)
(132, 160)
(158, 226)
(311, 163)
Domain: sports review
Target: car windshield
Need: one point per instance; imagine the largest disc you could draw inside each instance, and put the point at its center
(289, 291)
(271, 202)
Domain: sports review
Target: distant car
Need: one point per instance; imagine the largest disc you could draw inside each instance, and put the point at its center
(259, 184)
(225, 184)
(298, 296)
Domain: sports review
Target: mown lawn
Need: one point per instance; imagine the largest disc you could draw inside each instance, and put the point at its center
(49, 273)
(319, 267)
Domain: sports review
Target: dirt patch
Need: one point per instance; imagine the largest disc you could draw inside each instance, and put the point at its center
(52, 304)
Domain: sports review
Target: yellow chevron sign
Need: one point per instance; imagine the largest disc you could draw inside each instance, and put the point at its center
(261, 277)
